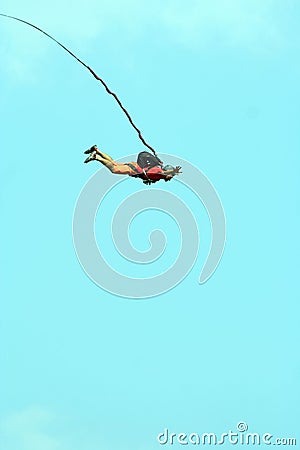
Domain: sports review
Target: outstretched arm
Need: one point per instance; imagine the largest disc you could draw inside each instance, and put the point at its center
(173, 172)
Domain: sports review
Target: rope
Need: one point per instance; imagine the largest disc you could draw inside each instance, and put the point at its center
(94, 75)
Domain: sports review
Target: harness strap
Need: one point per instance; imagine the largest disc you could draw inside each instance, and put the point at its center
(139, 174)
(145, 173)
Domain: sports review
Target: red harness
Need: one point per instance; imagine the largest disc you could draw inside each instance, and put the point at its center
(148, 174)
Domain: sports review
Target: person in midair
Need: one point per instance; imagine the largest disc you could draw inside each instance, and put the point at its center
(148, 167)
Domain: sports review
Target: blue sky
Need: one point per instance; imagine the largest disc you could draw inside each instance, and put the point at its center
(216, 83)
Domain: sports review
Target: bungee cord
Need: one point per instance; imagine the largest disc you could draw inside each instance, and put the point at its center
(94, 75)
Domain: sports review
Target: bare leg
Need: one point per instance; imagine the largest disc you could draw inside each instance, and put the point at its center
(106, 162)
(95, 154)
(94, 149)
(104, 155)
(113, 166)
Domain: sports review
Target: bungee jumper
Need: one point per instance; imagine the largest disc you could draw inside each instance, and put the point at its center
(148, 167)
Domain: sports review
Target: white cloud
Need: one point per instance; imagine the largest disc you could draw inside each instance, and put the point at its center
(71, 22)
(250, 24)
(36, 428)
(29, 430)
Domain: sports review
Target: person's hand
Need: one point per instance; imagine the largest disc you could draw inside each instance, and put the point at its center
(176, 171)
